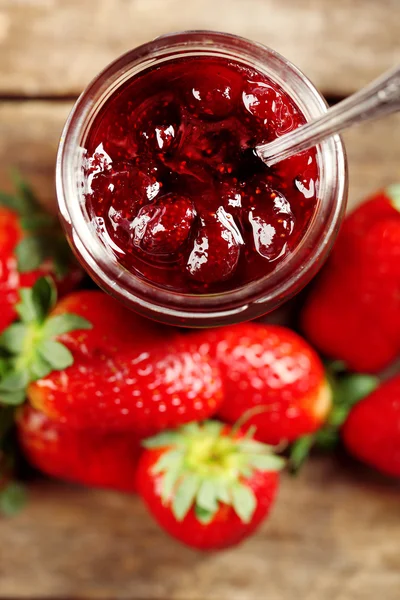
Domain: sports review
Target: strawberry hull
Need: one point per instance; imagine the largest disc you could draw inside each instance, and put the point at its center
(226, 530)
(208, 485)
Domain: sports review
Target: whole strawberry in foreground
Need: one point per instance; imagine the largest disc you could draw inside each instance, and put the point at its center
(89, 457)
(353, 311)
(31, 246)
(372, 429)
(271, 376)
(208, 485)
(128, 374)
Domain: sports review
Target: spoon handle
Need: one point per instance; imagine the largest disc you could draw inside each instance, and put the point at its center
(379, 98)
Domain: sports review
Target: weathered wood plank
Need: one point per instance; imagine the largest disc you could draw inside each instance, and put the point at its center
(57, 46)
(333, 534)
(29, 134)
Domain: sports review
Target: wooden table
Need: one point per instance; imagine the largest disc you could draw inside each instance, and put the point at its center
(335, 531)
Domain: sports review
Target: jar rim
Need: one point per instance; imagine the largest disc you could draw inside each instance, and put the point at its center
(250, 299)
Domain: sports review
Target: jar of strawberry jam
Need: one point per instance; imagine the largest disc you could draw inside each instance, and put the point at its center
(163, 199)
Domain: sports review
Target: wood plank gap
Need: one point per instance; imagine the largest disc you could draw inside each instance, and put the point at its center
(37, 98)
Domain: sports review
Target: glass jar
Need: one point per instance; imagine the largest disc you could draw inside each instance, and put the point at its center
(253, 299)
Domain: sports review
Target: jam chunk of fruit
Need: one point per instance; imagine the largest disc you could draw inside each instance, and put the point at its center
(174, 187)
(162, 228)
(272, 225)
(212, 90)
(216, 249)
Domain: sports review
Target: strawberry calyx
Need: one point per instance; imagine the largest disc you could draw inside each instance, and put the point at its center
(42, 240)
(347, 390)
(29, 349)
(206, 465)
(393, 193)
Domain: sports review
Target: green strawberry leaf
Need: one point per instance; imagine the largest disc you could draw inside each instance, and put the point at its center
(43, 239)
(203, 465)
(14, 398)
(24, 191)
(336, 367)
(30, 350)
(169, 480)
(31, 252)
(393, 192)
(36, 302)
(64, 323)
(14, 381)
(35, 221)
(222, 490)
(299, 452)
(244, 502)
(347, 391)
(185, 495)
(161, 440)
(203, 516)
(12, 499)
(57, 355)
(215, 428)
(167, 461)
(266, 462)
(39, 367)
(12, 202)
(26, 308)
(207, 496)
(13, 338)
(44, 297)
(327, 438)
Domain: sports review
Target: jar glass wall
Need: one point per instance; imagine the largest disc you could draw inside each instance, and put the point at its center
(196, 310)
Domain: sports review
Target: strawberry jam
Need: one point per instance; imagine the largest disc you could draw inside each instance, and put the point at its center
(173, 185)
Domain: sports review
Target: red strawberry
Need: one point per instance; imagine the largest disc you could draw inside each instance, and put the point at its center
(372, 429)
(206, 485)
(127, 373)
(353, 312)
(272, 369)
(31, 245)
(113, 326)
(88, 457)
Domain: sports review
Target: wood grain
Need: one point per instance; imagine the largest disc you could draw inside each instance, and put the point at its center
(333, 535)
(56, 46)
(29, 134)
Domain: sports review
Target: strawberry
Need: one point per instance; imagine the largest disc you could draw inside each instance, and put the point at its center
(208, 485)
(28, 348)
(125, 373)
(106, 460)
(372, 430)
(347, 391)
(31, 245)
(270, 374)
(353, 312)
(113, 326)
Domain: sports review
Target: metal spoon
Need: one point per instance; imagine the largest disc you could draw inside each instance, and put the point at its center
(379, 98)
